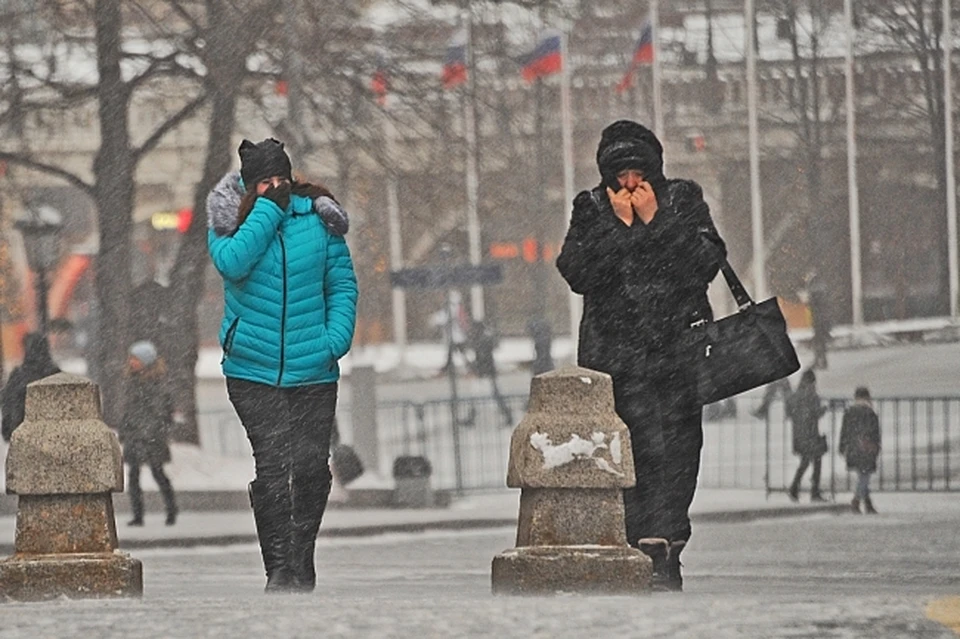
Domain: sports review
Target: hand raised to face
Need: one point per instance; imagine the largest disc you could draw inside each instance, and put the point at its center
(278, 193)
(644, 202)
(622, 206)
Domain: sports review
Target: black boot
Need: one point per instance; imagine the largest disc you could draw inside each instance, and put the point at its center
(272, 517)
(657, 549)
(309, 503)
(855, 505)
(674, 580)
(868, 506)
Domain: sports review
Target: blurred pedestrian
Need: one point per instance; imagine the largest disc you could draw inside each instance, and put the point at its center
(37, 364)
(290, 296)
(770, 391)
(454, 322)
(804, 408)
(145, 427)
(819, 300)
(860, 443)
(484, 342)
(642, 249)
(542, 336)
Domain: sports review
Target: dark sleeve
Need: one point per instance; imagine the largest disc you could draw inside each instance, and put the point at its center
(591, 249)
(875, 427)
(12, 405)
(687, 235)
(844, 432)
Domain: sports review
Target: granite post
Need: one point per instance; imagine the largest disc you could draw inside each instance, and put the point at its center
(571, 458)
(63, 463)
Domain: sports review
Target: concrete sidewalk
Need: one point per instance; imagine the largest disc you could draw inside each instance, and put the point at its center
(487, 510)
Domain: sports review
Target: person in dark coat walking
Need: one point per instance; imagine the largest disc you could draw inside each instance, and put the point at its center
(641, 250)
(860, 443)
(145, 428)
(805, 409)
(37, 364)
(290, 309)
(819, 299)
(484, 342)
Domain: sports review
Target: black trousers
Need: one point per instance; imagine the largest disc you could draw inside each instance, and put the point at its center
(136, 493)
(666, 433)
(289, 430)
(805, 461)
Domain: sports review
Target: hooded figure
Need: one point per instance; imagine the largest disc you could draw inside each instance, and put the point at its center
(641, 250)
(860, 443)
(37, 364)
(290, 302)
(805, 410)
(145, 427)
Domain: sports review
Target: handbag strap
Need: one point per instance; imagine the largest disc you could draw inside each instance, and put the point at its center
(740, 294)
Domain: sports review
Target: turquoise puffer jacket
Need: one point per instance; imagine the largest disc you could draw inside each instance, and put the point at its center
(290, 292)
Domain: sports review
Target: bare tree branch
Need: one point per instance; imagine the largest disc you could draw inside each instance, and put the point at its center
(171, 123)
(50, 169)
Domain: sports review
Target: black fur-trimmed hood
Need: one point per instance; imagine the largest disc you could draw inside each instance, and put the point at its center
(223, 205)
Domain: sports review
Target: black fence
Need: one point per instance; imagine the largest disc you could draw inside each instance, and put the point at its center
(740, 450)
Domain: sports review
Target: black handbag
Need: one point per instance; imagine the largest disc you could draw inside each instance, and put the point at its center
(741, 351)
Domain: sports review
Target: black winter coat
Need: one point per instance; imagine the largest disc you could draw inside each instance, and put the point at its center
(860, 437)
(642, 285)
(15, 391)
(145, 427)
(805, 410)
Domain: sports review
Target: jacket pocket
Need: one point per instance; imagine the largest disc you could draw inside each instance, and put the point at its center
(228, 338)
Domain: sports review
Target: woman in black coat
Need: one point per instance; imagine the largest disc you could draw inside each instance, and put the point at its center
(641, 250)
(860, 443)
(37, 364)
(805, 410)
(145, 428)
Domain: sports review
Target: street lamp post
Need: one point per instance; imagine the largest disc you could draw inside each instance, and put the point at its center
(40, 229)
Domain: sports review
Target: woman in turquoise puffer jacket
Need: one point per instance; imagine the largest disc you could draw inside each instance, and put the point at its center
(290, 300)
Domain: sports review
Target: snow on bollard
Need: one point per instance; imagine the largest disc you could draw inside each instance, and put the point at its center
(63, 463)
(571, 459)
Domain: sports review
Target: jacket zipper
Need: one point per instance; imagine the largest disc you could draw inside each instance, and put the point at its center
(283, 313)
(228, 340)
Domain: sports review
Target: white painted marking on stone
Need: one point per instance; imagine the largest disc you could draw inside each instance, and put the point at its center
(586, 380)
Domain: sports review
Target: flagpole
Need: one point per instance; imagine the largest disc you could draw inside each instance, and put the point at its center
(396, 243)
(948, 151)
(756, 201)
(856, 284)
(657, 71)
(566, 121)
(472, 178)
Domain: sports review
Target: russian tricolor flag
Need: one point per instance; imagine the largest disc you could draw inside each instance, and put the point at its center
(544, 60)
(455, 61)
(642, 54)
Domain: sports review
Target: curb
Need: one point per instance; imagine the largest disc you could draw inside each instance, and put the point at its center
(369, 530)
(756, 514)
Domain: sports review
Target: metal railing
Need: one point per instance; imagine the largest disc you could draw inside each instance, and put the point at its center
(739, 450)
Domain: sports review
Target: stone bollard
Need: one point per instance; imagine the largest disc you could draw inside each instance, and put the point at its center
(63, 463)
(571, 458)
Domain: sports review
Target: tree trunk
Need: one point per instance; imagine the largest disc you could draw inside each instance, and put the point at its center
(226, 51)
(114, 196)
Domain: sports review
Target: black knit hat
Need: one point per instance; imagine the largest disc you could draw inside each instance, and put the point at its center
(264, 160)
(628, 145)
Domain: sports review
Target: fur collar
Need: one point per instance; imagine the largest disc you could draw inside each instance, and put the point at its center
(223, 204)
